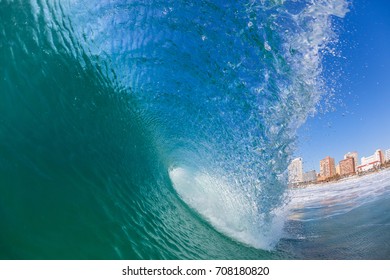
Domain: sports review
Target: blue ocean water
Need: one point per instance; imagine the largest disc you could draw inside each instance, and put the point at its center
(343, 220)
(154, 129)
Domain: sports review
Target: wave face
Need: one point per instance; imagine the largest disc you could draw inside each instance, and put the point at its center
(153, 129)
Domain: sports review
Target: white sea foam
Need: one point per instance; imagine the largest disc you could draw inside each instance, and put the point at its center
(228, 210)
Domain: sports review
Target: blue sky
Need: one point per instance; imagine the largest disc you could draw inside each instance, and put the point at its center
(360, 119)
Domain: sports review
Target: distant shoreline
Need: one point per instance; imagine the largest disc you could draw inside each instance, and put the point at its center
(332, 180)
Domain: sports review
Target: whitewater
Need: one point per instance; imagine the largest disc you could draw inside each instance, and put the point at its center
(158, 129)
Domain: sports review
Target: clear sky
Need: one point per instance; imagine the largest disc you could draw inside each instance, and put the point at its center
(360, 120)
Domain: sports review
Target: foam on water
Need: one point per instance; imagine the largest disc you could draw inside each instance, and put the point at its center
(226, 208)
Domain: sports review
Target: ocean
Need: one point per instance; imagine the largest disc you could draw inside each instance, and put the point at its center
(163, 129)
(341, 220)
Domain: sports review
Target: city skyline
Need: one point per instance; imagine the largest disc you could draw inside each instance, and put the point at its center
(328, 169)
(386, 156)
(356, 119)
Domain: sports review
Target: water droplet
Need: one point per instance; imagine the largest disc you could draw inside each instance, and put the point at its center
(267, 46)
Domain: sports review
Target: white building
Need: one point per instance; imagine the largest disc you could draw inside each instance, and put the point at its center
(310, 176)
(387, 155)
(371, 162)
(295, 171)
(353, 155)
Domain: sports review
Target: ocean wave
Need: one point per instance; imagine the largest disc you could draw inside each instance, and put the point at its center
(154, 103)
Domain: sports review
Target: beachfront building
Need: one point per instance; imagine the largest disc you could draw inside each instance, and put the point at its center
(327, 168)
(338, 169)
(371, 162)
(295, 171)
(387, 155)
(353, 155)
(310, 176)
(347, 166)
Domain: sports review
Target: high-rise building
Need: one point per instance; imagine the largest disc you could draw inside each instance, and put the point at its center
(347, 166)
(387, 155)
(353, 155)
(382, 155)
(327, 167)
(371, 162)
(295, 171)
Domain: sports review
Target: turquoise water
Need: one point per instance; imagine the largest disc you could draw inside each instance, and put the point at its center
(155, 129)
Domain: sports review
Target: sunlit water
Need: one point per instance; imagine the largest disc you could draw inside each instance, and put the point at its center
(157, 129)
(349, 219)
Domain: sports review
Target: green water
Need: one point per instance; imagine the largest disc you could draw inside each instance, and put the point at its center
(79, 178)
